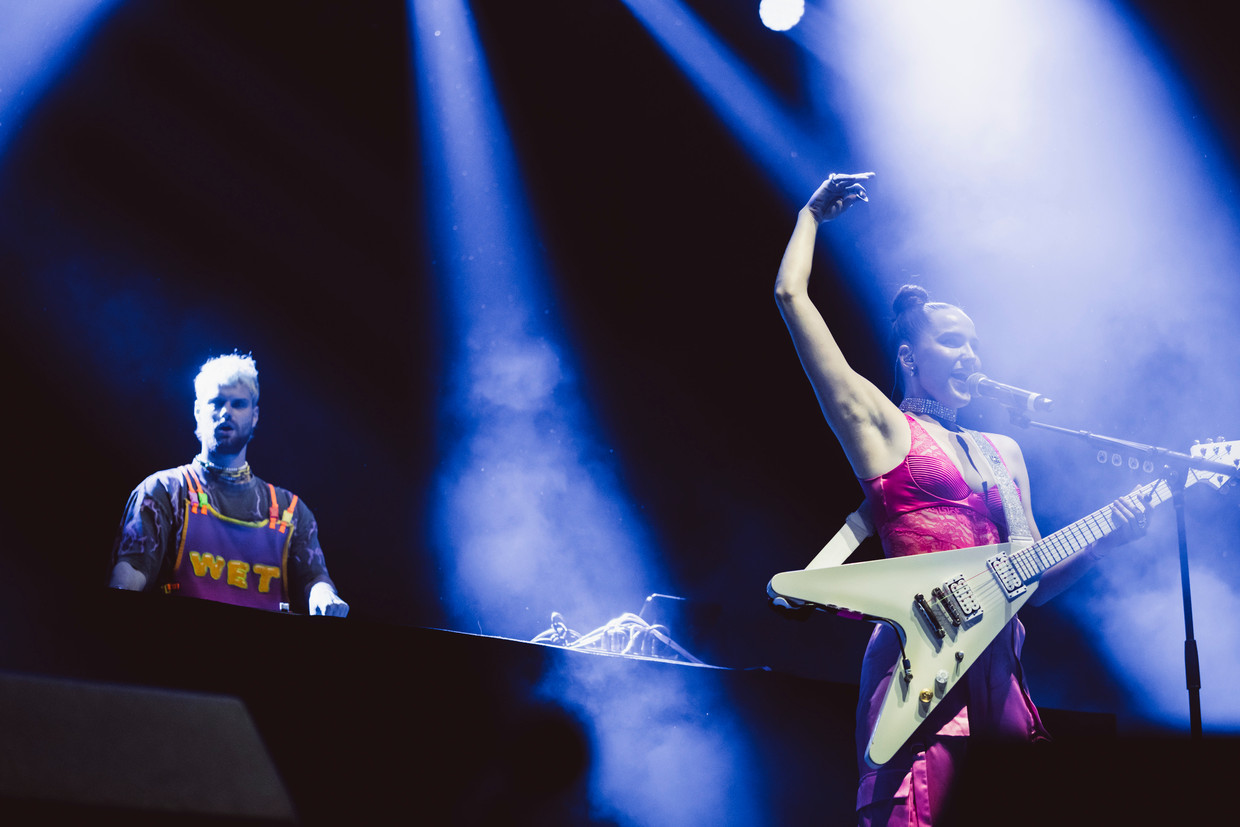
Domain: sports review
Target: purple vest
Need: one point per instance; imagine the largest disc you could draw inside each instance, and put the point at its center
(232, 561)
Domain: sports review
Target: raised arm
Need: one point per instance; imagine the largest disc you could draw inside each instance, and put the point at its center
(869, 427)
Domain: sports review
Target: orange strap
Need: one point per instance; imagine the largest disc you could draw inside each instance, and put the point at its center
(287, 519)
(197, 496)
(273, 512)
(275, 519)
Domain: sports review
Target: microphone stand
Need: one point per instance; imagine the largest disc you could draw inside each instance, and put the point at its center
(1175, 466)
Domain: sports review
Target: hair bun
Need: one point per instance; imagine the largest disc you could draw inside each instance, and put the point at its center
(909, 297)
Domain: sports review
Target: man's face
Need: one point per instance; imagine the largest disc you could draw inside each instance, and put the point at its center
(226, 420)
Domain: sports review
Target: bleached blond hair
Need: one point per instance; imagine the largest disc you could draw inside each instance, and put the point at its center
(229, 369)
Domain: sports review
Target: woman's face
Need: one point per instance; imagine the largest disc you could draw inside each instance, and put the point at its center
(944, 355)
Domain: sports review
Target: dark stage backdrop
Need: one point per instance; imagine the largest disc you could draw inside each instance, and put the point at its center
(205, 176)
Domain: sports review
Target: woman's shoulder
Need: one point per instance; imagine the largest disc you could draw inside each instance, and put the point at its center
(1008, 447)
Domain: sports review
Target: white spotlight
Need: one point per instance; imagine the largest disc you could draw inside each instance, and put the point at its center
(781, 15)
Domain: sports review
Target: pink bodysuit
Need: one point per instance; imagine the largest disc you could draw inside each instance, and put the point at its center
(924, 505)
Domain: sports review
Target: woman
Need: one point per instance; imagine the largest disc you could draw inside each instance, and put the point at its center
(928, 488)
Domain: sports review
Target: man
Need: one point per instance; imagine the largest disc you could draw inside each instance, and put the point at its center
(213, 530)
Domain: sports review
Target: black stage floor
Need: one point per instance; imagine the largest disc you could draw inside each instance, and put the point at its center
(157, 710)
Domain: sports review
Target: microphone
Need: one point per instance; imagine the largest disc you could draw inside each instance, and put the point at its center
(1011, 396)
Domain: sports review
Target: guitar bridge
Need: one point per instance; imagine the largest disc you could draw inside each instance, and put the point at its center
(1001, 568)
(928, 615)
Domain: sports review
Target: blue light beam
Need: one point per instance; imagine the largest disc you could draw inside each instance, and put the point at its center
(529, 516)
(36, 41)
(787, 151)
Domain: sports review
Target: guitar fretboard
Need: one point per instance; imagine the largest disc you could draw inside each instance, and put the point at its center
(1031, 562)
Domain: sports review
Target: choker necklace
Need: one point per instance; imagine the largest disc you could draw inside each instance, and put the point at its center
(241, 472)
(930, 407)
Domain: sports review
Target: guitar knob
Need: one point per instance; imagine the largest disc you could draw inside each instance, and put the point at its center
(925, 696)
(940, 683)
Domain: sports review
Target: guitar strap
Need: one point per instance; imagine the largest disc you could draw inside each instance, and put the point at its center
(857, 525)
(1013, 512)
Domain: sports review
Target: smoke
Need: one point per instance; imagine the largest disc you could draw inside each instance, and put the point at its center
(532, 512)
(663, 752)
(1140, 611)
(1039, 165)
(529, 517)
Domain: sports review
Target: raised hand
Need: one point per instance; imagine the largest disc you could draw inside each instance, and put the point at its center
(837, 194)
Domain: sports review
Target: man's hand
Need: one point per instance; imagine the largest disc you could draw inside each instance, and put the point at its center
(325, 601)
(125, 576)
(837, 194)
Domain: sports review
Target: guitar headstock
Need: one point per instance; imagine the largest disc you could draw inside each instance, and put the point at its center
(1216, 450)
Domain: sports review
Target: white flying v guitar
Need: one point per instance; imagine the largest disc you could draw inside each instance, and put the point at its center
(948, 606)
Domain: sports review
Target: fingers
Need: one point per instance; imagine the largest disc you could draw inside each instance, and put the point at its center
(334, 608)
(844, 179)
(837, 194)
(330, 608)
(838, 184)
(1140, 510)
(1131, 520)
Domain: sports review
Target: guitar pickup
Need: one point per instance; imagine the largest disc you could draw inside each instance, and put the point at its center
(949, 606)
(959, 593)
(1001, 568)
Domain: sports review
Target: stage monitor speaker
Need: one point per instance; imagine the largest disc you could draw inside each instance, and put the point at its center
(92, 750)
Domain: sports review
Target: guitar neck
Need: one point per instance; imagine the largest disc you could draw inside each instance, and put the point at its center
(1031, 562)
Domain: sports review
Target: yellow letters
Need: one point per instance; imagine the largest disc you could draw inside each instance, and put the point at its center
(237, 570)
(204, 562)
(265, 575)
